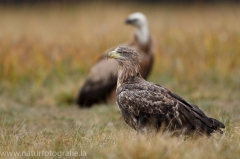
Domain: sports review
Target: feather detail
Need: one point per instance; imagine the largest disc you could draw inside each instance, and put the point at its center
(154, 106)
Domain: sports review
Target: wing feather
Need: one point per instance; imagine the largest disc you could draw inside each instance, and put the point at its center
(102, 79)
(155, 99)
(147, 98)
(197, 112)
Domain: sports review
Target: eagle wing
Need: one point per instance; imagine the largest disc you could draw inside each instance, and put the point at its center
(154, 99)
(100, 82)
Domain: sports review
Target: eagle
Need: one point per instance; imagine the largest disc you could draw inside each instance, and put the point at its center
(148, 107)
(100, 85)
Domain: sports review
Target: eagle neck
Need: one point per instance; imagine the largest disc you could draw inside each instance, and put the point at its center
(127, 72)
(142, 34)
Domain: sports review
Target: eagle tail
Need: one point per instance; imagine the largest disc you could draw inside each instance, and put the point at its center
(204, 128)
(202, 123)
(217, 125)
(212, 124)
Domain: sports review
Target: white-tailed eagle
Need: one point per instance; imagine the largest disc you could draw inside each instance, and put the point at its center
(148, 107)
(101, 81)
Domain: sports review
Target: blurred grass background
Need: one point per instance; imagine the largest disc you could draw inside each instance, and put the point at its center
(47, 50)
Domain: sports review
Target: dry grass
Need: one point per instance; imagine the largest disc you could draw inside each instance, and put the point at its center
(45, 55)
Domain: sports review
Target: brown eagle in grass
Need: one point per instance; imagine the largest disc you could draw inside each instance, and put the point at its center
(101, 81)
(149, 107)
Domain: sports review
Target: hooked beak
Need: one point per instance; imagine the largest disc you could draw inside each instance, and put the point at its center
(113, 55)
(128, 21)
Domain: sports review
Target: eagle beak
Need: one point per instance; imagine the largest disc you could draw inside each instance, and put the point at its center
(113, 55)
(128, 21)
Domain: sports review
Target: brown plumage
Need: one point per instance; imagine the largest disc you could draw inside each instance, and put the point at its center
(148, 107)
(101, 81)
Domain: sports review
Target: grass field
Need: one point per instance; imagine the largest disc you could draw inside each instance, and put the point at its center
(46, 52)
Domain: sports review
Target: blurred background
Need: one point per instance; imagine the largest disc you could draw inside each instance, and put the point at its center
(47, 48)
(141, 1)
(49, 43)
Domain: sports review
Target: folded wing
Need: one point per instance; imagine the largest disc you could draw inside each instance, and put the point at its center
(173, 111)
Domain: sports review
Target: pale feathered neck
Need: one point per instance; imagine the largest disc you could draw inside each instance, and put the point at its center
(142, 35)
(127, 71)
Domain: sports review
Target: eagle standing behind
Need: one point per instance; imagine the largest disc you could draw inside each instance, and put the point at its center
(101, 82)
(147, 107)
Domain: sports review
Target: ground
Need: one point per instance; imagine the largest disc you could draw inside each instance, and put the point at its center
(46, 52)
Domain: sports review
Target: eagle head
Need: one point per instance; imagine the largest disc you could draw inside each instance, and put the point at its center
(124, 55)
(136, 19)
